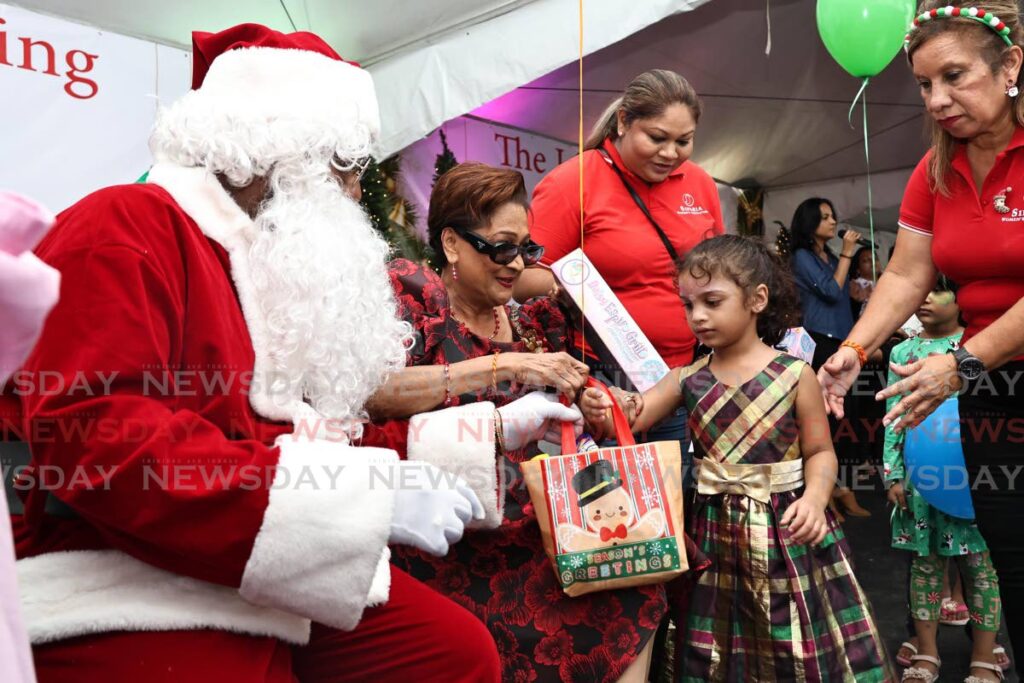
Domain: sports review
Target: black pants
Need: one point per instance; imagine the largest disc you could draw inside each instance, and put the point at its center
(846, 439)
(992, 429)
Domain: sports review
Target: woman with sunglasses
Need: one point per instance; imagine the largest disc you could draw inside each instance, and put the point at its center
(472, 347)
(645, 205)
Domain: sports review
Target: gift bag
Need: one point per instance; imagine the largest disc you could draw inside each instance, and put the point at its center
(610, 517)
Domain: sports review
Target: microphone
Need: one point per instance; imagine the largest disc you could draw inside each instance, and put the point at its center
(862, 242)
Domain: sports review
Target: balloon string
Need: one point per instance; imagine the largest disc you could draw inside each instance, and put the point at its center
(579, 155)
(867, 163)
(853, 105)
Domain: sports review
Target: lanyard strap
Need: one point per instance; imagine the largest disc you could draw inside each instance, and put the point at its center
(643, 207)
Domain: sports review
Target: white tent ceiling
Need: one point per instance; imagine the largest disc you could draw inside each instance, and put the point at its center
(431, 60)
(774, 121)
(777, 121)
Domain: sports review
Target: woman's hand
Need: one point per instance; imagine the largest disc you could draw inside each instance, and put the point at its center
(836, 377)
(557, 370)
(928, 383)
(850, 245)
(805, 520)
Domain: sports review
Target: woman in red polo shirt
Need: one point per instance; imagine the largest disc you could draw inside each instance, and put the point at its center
(643, 143)
(963, 214)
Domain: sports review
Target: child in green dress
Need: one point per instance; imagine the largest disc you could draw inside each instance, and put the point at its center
(932, 535)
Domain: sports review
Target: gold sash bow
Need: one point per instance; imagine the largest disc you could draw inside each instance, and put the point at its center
(754, 481)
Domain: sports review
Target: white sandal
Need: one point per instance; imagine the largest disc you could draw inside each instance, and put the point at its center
(906, 645)
(988, 667)
(916, 673)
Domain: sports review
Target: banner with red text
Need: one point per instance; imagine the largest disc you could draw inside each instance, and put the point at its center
(475, 139)
(78, 105)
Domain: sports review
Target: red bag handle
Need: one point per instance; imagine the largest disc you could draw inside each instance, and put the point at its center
(623, 433)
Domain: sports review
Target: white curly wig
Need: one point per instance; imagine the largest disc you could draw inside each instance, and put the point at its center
(317, 266)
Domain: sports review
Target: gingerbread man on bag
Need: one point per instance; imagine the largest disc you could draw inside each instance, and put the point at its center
(608, 512)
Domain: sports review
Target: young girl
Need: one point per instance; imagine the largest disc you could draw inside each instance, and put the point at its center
(780, 601)
(932, 536)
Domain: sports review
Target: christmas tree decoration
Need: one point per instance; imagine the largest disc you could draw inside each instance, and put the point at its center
(392, 216)
(750, 212)
(783, 242)
(445, 160)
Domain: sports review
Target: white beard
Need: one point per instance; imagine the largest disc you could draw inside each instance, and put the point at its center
(319, 273)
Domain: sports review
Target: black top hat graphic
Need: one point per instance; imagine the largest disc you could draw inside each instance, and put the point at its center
(594, 481)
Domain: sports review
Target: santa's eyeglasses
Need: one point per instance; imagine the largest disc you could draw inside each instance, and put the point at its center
(503, 253)
(353, 167)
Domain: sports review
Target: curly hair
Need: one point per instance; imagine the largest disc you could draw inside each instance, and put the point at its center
(749, 263)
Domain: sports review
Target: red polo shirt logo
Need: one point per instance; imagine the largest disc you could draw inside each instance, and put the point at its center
(690, 207)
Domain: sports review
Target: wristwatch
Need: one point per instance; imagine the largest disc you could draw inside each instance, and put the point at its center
(968, 366)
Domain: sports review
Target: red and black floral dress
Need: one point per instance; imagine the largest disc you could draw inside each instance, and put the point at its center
(503, 575)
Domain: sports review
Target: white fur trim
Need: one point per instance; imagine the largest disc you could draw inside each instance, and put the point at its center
(381, 585)
(461, 440)
(274, 83)
(204, 199)
(324, 532)
(68, 594)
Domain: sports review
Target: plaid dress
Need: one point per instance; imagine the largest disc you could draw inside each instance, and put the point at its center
(767, 609)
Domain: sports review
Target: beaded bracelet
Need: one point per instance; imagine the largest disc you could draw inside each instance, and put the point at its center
(447, 385)
(862, 355)
(499, 432)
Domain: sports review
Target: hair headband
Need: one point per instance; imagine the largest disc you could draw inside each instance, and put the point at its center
(979, 15)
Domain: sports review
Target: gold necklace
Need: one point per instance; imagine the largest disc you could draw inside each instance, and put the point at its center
(497, 322)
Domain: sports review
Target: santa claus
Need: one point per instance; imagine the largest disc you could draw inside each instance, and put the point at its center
(198, 390)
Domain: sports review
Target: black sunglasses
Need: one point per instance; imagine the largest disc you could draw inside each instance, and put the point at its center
(503, 253)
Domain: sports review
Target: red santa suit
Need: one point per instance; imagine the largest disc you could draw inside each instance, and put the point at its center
(201, 535)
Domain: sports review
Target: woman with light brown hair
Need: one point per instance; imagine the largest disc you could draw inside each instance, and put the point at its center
(963, 214)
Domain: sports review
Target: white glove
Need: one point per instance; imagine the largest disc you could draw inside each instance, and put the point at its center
(432, 507)
(536, 416)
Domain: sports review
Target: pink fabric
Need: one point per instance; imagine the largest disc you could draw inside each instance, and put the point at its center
(28, 290)
(28, 287)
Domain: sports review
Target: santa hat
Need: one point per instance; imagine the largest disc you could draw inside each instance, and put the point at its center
(277, 75)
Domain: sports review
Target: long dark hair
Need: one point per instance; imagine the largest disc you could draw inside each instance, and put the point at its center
(806, 220)
(748, 262)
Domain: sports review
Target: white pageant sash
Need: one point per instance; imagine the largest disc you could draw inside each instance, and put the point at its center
(631, 348)
(798, 342)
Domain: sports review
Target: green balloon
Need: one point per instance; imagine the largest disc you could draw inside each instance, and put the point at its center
(864, 35)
